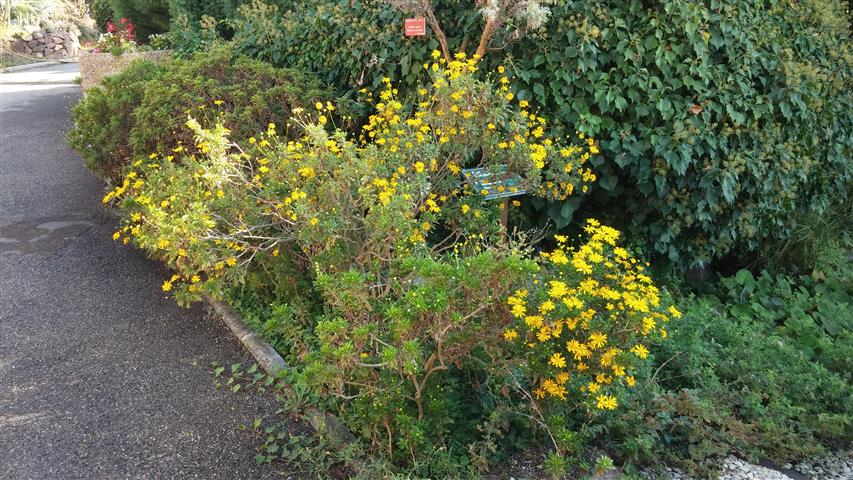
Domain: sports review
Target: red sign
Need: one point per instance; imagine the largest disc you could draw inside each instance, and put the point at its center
(414, 27)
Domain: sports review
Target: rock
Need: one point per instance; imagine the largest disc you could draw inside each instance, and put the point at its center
(38, 55)
(39, 48)
(835, 466)
(18, 45)
(57, 47)
(27, 38)
(58, 39)
(38, 35)
(32, 43)
(612, 474)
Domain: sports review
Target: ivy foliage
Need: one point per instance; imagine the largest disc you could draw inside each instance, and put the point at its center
(720, 119)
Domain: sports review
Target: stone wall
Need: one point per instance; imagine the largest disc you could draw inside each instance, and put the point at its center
(95, 66)
(46, 44)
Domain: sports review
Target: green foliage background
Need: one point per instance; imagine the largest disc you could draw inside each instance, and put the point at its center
(718, 120)
(149, 16)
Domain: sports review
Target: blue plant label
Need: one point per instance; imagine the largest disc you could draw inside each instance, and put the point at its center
(493, 183)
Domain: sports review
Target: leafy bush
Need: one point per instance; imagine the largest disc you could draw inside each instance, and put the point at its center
(190, 15)
(150, 16)
(248, 93)
(725, 121)
(103, 120)
(350, 45)
(393, 276)
(102, 12)
(131, 116)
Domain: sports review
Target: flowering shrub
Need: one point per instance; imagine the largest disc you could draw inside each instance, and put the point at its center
(407, 168)
(119, 38)
(409, 266)
(587, 321)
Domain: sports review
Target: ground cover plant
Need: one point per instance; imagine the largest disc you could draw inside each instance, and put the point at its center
(410, 310)
(758, 368)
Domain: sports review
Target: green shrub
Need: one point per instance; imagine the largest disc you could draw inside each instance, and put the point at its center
(102, 12)
(249, 94)
(724, 122)
(104, 119)
(130, 116)
(348, 44)
(193, 13)
(149, 16)
(722, 119)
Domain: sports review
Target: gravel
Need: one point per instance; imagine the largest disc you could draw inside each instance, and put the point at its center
(836, 466)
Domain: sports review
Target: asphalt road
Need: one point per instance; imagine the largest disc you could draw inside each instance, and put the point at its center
(101, 375)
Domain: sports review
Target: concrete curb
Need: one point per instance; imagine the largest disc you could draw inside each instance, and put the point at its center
(263, 352)
(324, 423)
(29, 66)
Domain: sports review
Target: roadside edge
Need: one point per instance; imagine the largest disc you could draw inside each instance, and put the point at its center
(272, 363)
(29, 66)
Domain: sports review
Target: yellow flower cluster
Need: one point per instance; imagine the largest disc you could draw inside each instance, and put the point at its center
(455, 110)
(585, 326)
(398, 179)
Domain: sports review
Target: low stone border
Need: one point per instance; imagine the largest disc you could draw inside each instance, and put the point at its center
(324, 423)
(330, 425)
(263, 352)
